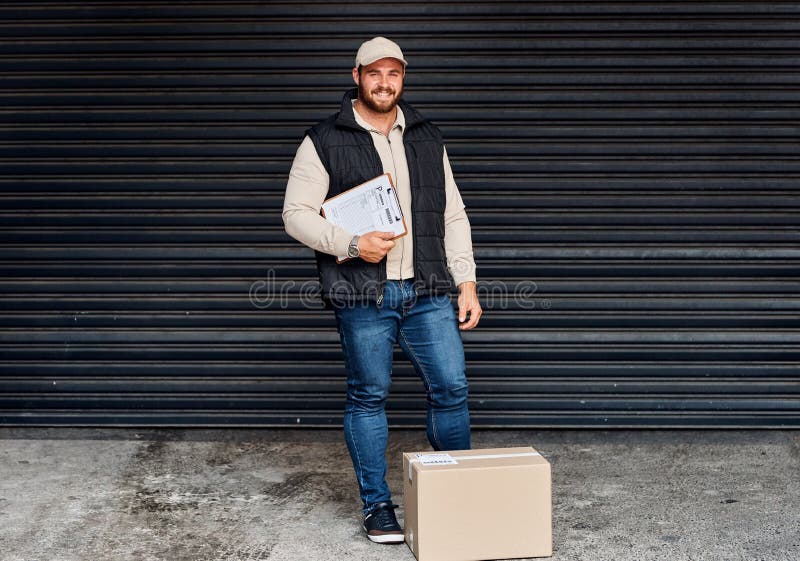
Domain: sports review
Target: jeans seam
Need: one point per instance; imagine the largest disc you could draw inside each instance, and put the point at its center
(358, 456)
(360, 471)
(430, 387)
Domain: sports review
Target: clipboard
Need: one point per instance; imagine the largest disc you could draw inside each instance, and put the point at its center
(372, 205)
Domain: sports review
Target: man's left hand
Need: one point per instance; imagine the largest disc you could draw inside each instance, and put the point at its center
(468, 303)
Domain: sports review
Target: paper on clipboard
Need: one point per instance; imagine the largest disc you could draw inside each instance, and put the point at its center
(371, 206)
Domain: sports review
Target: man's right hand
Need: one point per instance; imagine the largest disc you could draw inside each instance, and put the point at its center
(373, 246)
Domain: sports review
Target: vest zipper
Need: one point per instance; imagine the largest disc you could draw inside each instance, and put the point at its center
(385, 259)
(413, 236)
(382, 264)
(402, 240)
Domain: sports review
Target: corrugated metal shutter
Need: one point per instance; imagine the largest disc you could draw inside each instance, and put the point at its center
(633, 164)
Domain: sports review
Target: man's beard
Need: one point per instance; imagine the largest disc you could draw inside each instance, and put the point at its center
(369, 101)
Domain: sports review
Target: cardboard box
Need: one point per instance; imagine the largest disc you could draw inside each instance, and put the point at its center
(470, 505)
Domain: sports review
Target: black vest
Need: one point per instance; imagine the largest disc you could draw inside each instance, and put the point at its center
(350, 158)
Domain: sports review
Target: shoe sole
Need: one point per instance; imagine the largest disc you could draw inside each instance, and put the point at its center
(386, 538)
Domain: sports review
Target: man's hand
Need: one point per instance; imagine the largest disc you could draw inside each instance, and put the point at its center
(373, 246)
(468, 302)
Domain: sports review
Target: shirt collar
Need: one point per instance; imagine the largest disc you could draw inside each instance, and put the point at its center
(400, 120)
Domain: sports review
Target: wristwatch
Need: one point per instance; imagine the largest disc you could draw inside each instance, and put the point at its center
(352, 249)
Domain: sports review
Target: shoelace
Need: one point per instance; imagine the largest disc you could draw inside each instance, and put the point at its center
(384, 516)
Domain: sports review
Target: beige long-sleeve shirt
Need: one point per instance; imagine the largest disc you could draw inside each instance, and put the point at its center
(307, 189)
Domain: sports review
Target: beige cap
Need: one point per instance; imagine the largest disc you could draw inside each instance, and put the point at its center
(376, 49)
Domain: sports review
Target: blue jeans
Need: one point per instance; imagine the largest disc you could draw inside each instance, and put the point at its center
(427, 329)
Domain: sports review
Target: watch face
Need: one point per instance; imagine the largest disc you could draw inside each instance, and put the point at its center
(352, 251)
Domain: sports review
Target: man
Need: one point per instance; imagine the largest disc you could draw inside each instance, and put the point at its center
(390, 291)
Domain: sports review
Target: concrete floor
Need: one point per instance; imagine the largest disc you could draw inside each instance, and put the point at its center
(229, 494)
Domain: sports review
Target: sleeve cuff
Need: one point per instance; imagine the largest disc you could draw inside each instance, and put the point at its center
(463, 273)
(341, 242)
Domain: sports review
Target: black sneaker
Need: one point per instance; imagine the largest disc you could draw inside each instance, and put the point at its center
(381, 525)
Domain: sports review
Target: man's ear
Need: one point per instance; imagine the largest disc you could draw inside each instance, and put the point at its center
(355, 75)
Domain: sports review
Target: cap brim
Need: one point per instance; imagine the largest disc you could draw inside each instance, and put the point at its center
(366, 62)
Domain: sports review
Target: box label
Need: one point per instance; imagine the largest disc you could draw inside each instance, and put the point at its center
(435, 459)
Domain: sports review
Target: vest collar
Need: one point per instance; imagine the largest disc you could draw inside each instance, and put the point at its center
(347, 119)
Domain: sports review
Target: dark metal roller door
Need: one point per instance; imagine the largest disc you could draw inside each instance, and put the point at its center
(630, 170)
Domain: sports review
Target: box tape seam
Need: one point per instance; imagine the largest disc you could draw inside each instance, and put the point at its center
(411, 461)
